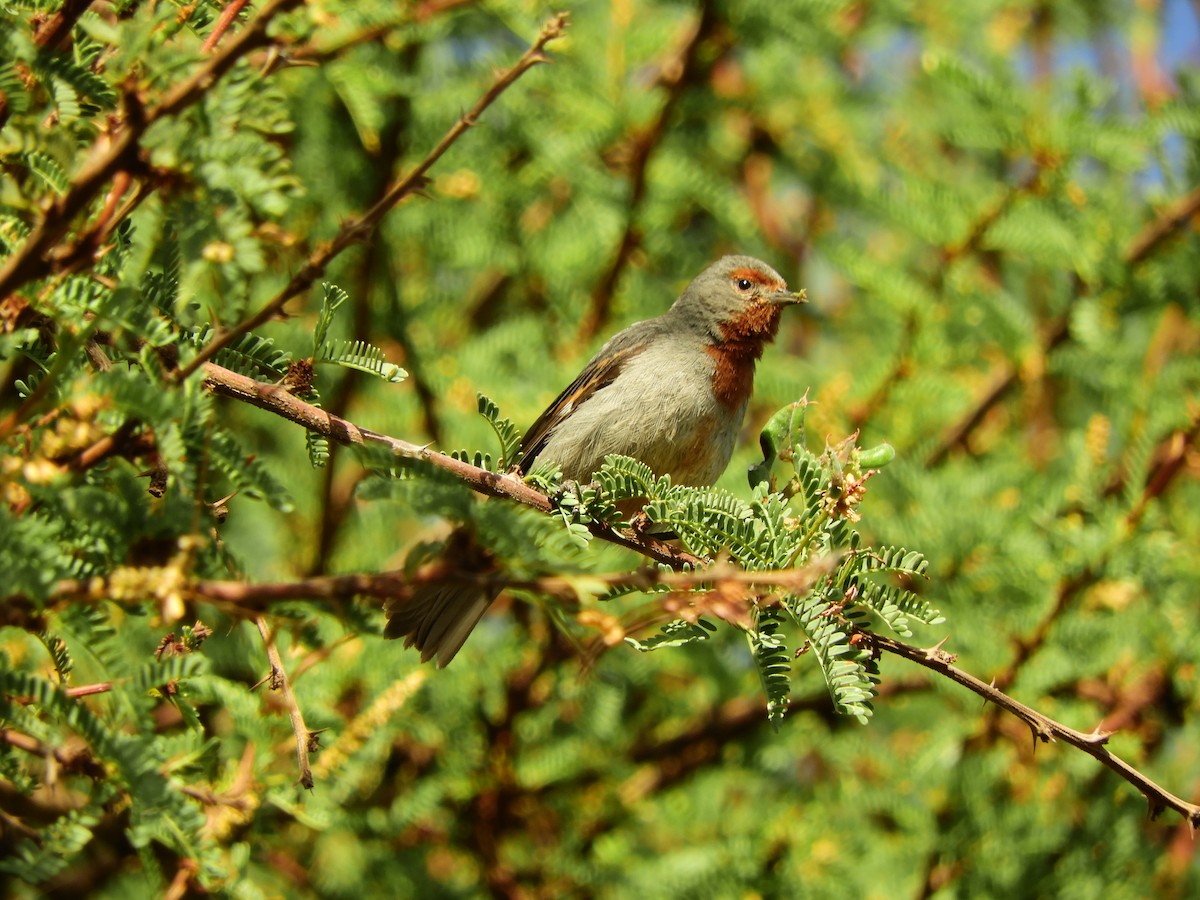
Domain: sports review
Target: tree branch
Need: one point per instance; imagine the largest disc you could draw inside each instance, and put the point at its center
(228, 14)
(1043, 727)
(361, 227)
(275, 399)
(305, 739)
(55, 29)
(115, 150)
(1155, 233)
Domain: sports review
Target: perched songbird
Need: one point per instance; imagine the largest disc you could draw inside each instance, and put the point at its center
(670, 391)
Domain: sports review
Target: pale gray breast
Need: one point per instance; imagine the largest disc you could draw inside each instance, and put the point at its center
(660, 410)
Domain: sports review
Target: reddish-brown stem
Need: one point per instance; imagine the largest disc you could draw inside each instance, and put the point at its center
(228, 14)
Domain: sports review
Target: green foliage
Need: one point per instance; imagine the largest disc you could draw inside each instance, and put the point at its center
(993, 215)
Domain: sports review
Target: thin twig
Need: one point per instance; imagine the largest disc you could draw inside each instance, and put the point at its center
(1155, 233)
(361, 227)
(1043, 727)
(279, 681)
(228, 14)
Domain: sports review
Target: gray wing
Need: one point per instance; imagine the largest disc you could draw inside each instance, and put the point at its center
(601, 371)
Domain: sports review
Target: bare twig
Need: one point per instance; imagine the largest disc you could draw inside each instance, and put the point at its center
(1030, 184)
(78, 759)
(1043, 727)
(227, 17)
(361, 227)
(118, 149)
(305, 739)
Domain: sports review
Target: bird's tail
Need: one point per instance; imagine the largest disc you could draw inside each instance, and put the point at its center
(438, 619)
(439, 616)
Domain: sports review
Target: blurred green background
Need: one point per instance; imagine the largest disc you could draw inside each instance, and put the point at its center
(991, 206)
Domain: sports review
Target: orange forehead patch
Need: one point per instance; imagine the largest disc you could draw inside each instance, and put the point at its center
(758, 278)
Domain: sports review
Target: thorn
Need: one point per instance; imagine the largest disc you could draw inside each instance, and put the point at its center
(1156, 809)
(936, 652)
(1098, 737)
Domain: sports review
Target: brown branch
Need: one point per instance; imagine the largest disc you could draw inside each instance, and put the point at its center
(118, 149)
(55, 30)
(275, 399)
(680, 71)
(361, 227)
(1171, 457)
(78, 760)
(1043, 727)
(728, 590)
(227, 17)
(1030, 184)
(1155, 233)
(305, 739)
(127, 441)
(249, 599)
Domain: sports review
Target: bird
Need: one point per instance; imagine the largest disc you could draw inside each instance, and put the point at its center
(671, 392)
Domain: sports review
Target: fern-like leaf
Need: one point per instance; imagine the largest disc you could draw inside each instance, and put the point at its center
(675, 634)
(506, 432)
(361, 356)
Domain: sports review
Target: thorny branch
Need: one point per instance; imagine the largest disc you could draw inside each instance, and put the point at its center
(280, 402)
(250, 599)
(361, 227)
(1043, 727)
(305, 739)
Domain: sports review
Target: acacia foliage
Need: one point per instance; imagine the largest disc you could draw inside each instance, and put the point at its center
(993, 223)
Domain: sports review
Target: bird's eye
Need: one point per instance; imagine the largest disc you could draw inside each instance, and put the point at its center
(744, 284)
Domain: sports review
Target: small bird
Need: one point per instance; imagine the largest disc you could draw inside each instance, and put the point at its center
(671, 391)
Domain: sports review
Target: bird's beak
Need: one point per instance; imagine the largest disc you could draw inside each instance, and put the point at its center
(785, 298)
